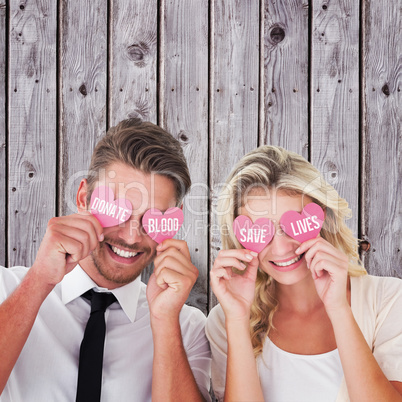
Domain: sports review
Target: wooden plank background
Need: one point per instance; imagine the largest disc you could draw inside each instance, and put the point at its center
(321, 78)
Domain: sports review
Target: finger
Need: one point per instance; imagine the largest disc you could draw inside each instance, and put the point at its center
(313, 246)
(252, 269)
(317, 253)
(175, 280)
(241, 254)
(306, 245)
(323, 245)
(222, 272)
(180, 245)
(86, 216)
(72, 242)
(229, 262)
(172, 263)
(219, 281)
(172, 252)
(87, 223)
(322, 266)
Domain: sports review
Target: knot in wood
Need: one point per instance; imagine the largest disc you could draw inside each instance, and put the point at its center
(83, 90)
(138, 53)
(385, 90)
(183, 137)
(277, 34)
(365, 245)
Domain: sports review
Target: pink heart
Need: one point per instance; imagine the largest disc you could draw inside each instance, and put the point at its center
(304, 226)
(253, 236)
(159, 226)
(107, 210)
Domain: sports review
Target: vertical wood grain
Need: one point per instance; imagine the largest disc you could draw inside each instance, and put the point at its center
(335, 97)
(233, 95)
(286, 62)
(83, 69)
(382, 163)
(133, 60)
(32, 102)
(3, 148)
(184, 113)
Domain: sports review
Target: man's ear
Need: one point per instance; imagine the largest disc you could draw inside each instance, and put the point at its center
(82, 196)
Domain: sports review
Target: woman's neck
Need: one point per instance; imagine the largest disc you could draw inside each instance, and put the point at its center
(301, 297)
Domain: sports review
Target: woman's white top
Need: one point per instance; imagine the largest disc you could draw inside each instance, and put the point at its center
(377, 308)
(289, 377)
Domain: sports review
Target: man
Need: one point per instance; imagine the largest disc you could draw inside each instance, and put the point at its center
(155, 345)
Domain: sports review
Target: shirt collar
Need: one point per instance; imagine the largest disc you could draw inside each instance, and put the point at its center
(77, 282)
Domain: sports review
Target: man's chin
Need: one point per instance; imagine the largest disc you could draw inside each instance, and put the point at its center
(117, 274)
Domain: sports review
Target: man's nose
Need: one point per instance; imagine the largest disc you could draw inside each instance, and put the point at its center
(131, 231)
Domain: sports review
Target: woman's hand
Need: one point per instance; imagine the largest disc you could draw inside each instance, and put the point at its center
(329, 268)
(234, 291)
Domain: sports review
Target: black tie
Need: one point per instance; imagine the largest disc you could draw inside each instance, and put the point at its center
(91, 352)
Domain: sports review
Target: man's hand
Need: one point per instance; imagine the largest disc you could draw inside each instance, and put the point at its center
(68, 239)
(173, 278)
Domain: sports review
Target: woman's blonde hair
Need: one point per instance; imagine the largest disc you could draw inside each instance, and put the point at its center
(274, 168)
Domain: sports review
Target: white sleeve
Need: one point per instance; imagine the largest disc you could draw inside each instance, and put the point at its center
(197, 348)
(216, 334)
(387, 345)
(10, 278)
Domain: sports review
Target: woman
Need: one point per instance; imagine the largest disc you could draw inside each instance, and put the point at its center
(299, 321)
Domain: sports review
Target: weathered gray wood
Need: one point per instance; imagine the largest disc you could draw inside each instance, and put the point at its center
(133, 65)
(233, 96)
(133, 51)
(286, 61)
(382, 168)
(3, 178)
(184, 113)
(335, 97)
(32, 101)
(83, 91)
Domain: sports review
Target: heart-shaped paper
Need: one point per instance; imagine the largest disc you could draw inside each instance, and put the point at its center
(107, 210)
(304, 226)
(161, 226)
(253, 236)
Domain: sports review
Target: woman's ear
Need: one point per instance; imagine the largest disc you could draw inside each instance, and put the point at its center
(82, 194)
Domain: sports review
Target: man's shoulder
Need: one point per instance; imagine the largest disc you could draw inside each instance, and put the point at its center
(10, 278)
(13, 274)
(19, 271)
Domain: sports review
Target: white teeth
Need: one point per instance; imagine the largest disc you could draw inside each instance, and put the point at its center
(122, 253)
(287, 263)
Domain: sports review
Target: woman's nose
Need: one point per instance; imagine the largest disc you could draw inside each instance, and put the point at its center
(281, 244)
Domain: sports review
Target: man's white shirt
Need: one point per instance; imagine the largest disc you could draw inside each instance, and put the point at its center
(47, 368)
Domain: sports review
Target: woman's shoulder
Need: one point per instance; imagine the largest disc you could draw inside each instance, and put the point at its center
(377, 283)
(378, 291)
(215, 324)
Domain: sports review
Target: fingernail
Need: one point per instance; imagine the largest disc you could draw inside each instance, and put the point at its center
(242, 265)
(248, 257)
(159, 246)
(254, 253)
(101, 237)
(297, 250)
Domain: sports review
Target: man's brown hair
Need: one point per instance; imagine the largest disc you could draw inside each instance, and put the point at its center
(143, 146)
